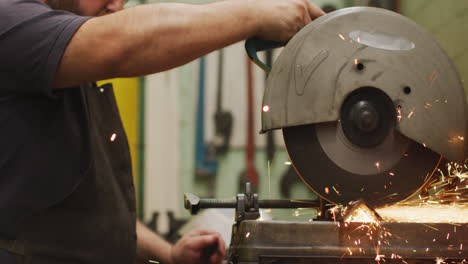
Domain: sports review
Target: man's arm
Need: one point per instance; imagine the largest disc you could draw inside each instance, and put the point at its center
(151, 246)
(187, 250)
(156, 37)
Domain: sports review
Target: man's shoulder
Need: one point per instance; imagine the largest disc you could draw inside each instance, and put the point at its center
(13, 12)
(14, 6)
(7, 3)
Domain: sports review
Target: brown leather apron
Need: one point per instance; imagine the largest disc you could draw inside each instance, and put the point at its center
(97, 223)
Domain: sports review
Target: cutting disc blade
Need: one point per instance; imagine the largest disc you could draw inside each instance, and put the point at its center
(341, 172)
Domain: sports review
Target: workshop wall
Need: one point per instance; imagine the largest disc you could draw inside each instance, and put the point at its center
(447, 21)
(170, 121)
(170, 110)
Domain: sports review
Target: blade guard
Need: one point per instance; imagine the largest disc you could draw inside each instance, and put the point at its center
(369, 47)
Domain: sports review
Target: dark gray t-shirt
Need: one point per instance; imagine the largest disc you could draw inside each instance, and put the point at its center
(44, 134)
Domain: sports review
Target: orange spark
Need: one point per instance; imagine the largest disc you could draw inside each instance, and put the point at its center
(266, 108)
(113, 136)
(378, 257)
(337, 192)
(433, 77)
(399, 113)
(341, 36)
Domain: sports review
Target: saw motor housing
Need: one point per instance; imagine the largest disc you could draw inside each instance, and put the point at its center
(364, 47)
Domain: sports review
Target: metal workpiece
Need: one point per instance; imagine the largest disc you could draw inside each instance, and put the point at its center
(360, 47)
(340, 242)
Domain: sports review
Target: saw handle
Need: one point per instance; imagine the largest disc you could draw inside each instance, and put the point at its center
(254, 45)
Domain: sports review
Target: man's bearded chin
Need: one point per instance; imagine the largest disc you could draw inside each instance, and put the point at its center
(67, 5)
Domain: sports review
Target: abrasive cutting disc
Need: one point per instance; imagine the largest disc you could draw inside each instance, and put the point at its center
(341, 172)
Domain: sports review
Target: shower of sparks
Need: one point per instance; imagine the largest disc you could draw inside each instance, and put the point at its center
(444, 200)
(359, 212)
(341, 37)
(266, 108)
(113, 137)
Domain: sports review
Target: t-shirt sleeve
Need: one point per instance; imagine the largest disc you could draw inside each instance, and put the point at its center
(33, 38)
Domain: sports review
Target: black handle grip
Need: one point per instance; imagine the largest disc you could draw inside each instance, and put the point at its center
(254, 45)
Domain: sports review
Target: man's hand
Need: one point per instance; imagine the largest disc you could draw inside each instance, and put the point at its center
(193, 247)
(280, 20)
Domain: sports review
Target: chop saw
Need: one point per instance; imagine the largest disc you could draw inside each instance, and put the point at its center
(368, 103)
(370, 106)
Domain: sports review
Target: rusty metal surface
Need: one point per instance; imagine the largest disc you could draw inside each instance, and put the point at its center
(333, 242)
